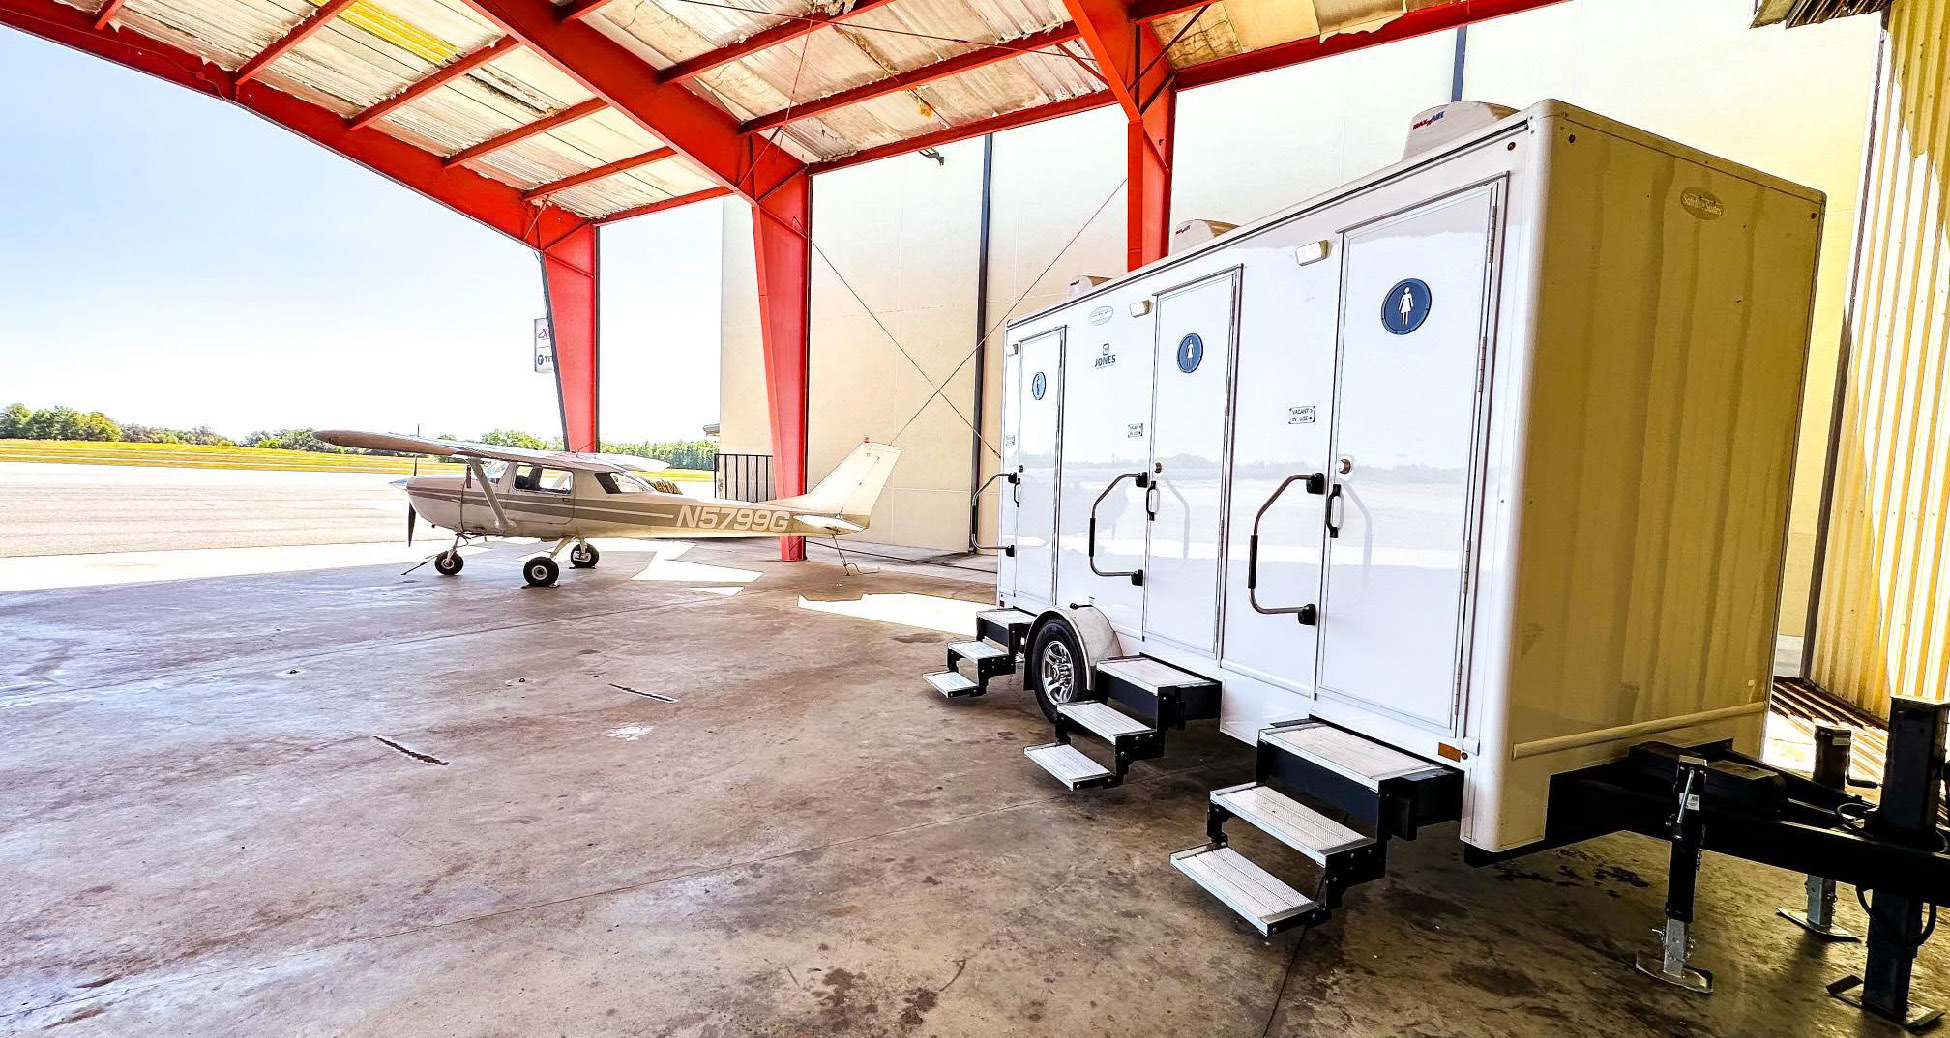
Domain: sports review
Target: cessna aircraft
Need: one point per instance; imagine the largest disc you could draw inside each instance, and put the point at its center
(569, 497)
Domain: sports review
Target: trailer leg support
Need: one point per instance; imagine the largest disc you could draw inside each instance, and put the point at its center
(1832, 746)
(1682, 882)
(1912, 794)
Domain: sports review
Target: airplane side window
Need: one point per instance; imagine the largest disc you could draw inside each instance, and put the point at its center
(615, 484)
(554, 481)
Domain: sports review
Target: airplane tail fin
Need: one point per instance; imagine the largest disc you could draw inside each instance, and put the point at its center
(853, 486)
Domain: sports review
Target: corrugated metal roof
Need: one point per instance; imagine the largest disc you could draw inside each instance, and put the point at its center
(376, 49)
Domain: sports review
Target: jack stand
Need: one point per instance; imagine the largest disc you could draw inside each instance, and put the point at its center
(1687, 833)
(1912, 791)
(1831, 772)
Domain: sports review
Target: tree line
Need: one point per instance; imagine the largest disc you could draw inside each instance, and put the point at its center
(19, 422)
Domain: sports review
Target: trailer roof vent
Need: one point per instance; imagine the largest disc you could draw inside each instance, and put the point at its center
(1434, 127)
(1083, 283)
(1197, 232)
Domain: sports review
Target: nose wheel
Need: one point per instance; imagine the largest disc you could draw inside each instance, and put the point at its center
(447, 563)
(583, 556)
(540, 571)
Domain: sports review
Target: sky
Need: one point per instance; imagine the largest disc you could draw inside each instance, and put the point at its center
(169, 259)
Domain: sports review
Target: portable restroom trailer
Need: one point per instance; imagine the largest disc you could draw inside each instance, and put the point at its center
(1483, 457)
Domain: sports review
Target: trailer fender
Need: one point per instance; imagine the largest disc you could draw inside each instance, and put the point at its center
(1088, 629)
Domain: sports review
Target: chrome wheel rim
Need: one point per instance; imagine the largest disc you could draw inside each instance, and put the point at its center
(1058, 671)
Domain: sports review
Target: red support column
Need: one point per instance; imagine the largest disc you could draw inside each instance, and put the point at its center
(1149, 190)
(569, 283)
(782, 235)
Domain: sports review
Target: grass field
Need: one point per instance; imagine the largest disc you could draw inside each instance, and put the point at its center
(267, 459)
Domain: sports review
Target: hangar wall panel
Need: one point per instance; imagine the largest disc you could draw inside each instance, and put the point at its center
(1793, 103)
(1885, 594)
(744, 425)
(893, 319)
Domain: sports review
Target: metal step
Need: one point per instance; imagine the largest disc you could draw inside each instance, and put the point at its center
(1360, 760)
(977, 650)
(950, 683)
(1149, 674)
(1070, 766)
(1289, 821)
(1007, 617)
(1105, 721)
(1270, 905)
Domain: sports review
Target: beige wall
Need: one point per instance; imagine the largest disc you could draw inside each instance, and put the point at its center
(744, 421)
(1884, 622)
(1790, 102)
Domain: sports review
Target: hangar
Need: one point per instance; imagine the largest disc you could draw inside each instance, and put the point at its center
(914, 177)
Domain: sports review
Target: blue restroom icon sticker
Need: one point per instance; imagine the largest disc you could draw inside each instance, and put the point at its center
(1038, 386)
(1191, 350)
(1406, 306)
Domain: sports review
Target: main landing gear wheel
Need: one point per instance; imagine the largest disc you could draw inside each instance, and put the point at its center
(540, 571)
(583, 556)
(448, 563)
(1056, 664)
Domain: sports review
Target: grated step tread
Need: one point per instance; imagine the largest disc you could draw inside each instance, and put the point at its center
(1149, 674)
(978, 650)
(1247, 889)
(1365, 761)
(1067, 764)
(1007, 617)
(951, 683)
(1290, 821)
(1105, 721)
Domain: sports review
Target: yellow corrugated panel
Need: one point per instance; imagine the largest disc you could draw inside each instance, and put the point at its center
(399, 32)
(1884, 621)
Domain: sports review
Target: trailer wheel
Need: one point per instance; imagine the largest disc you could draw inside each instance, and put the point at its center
(1057, 666)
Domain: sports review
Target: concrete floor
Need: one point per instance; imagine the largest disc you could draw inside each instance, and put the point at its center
(203, 833)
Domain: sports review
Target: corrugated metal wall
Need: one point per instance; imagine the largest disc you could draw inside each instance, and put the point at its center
(1884, 612)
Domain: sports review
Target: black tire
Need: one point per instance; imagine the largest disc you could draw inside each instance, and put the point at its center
(1055, 666)
(448, 563)
(540, 571)
(583, 556)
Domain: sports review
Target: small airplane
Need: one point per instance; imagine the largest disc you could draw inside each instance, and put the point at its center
(569, 497)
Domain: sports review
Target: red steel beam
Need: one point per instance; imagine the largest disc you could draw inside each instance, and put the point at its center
(784, 32)
(598, 173)
(782, 236)
(297, 34)
(698, 129)
(489, 201)
(914, 77)
(1153, 10)
(993, 124)
(1139, 76)
(672, 202)
(1416, 23)
(570, 283)
(441, 77)
(559, 117)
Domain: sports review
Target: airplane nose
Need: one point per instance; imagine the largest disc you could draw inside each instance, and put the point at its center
(401, 482)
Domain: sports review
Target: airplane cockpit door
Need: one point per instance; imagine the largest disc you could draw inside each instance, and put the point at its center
(1032, 423)
(540, 495)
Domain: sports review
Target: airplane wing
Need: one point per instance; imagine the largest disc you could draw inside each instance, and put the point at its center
(572, 461)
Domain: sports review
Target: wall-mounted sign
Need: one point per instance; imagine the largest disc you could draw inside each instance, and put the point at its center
(544, 348)
(1191, 350)
(1101, 315)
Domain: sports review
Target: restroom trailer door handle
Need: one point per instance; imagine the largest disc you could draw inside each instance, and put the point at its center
(1334, 514)
(1090, 552)
(1305, 613)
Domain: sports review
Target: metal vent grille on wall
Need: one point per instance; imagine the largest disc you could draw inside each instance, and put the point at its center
(1794, 13)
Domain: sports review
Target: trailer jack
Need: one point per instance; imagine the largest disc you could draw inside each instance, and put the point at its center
(1682, 882)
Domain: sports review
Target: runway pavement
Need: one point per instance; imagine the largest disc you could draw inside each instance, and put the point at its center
(76, 509)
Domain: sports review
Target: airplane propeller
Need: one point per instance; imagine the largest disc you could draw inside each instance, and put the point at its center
(410, 518)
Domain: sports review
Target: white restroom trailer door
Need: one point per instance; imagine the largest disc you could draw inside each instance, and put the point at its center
(1188, 452)
(1106, 435)
(1413, 337)
(1032, 426)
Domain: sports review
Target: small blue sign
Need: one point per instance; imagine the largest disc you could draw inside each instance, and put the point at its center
(1038, 386)
(1191, 350)
(1406, 306)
